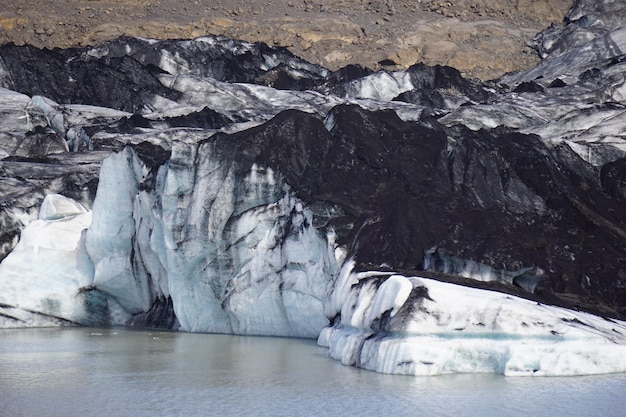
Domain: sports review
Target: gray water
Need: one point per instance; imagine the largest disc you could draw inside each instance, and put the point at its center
(120, 372)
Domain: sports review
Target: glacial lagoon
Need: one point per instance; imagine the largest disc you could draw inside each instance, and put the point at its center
(121, 372)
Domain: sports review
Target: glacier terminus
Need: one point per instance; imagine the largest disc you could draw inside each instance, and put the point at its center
(413, 222)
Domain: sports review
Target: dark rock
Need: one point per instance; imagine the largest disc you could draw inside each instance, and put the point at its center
(498, 198)
(558, 83)
(348, 73)
(203, 119)
(529, 87)
(435, 85)
(160, 316)
(151, 155)
(613, 179)
(69, 76)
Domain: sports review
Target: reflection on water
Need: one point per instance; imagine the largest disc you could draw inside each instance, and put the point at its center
(120, 372)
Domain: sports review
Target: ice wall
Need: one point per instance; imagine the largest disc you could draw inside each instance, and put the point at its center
(232, 247)
(243, 255)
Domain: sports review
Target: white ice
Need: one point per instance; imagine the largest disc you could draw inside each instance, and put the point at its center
(109, 240)
(444, 328)
(48, 267)
(237, 254)
(242, 256)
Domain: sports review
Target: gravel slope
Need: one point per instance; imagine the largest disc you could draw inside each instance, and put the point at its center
(482, 38)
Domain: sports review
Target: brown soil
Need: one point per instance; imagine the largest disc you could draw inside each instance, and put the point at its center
(482, 38)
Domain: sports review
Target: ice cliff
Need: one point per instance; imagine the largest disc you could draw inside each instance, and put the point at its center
(415, 221)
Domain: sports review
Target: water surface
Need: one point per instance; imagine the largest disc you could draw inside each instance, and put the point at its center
(121, 372)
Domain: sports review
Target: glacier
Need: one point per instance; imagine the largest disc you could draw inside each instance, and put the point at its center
(413, 222)
(413, 325)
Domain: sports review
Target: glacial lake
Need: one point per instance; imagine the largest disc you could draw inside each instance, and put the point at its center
(121, 372)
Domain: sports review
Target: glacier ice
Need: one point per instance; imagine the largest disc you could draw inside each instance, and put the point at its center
(40, 280)
(237, 254)
(265, 272)
(413, 221)
(242, 244)
(418, 326)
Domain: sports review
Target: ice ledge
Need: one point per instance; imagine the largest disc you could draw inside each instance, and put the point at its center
(418, 326)
(439, 354)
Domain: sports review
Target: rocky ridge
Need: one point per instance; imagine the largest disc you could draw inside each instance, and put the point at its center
(481, 38)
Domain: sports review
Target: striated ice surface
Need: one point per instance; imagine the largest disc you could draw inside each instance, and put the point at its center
(253, 265)
(242, 254)
(379, 86)
(109, 240)
(419, 326)
(236, 254)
